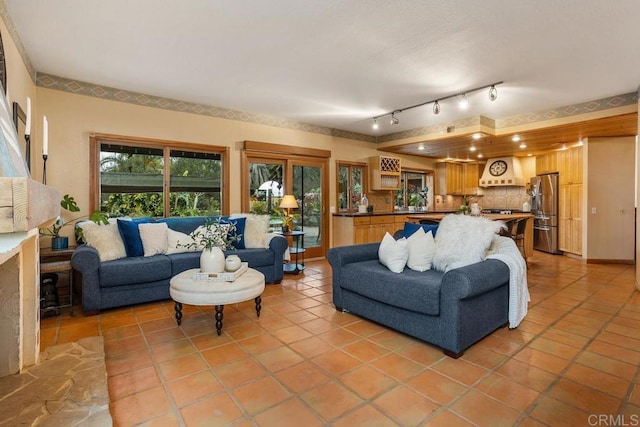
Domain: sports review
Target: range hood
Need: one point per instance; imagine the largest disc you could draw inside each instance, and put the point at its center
(502, 171)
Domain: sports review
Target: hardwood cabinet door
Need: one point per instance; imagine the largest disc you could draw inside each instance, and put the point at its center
(570, 218)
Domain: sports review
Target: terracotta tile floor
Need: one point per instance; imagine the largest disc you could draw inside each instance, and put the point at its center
(302, 363)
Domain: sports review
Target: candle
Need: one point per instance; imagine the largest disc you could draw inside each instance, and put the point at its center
(27, 128)
(45, 136)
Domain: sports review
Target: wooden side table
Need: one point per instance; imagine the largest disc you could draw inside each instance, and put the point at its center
(58, 261)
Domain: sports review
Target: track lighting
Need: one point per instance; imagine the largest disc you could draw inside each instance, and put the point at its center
(493, 93)
(464, 103)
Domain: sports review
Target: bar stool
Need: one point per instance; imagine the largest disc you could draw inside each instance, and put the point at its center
(518, 236)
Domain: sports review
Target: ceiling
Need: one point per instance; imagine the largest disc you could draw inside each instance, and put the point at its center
(339, 63)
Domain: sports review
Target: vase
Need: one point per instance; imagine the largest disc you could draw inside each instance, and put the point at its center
(212, 260)
(232, 263)
(58, 243)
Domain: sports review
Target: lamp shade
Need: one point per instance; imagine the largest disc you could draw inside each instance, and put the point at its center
(288, 202)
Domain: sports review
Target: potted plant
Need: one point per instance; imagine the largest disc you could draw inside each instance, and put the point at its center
(68, 203)
(212, 239)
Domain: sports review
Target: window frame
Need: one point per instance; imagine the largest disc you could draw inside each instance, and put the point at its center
(403, 179)
(96, 139)
(365, 182)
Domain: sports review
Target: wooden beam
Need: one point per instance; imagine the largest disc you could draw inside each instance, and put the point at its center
(26, 204)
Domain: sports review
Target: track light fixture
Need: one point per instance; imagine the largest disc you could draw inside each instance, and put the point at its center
(464, 103)
(493, 93)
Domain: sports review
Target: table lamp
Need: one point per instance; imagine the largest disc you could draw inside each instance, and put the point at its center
(288, 202)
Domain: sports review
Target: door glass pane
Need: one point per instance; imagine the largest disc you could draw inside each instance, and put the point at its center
(307, 189)
(343, 187)
(131, 180)
(195, 183)
(266, 188)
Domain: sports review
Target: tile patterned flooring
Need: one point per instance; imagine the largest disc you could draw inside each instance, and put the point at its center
(574, 360)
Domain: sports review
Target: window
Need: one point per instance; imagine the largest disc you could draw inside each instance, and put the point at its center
(351, 184)
(144, 178)
(412, 194)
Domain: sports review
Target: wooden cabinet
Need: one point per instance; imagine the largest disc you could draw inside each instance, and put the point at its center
(356, 230)
(458, 178)
(570, 218)
(449, 178)
(547, 163)
(385, 173)
(570, 166)
(471, 173)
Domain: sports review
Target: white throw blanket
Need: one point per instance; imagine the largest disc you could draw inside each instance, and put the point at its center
(505, 249)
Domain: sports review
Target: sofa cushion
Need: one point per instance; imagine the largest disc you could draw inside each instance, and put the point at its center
(184, 261)
(463, 240)
(131, 235)
(134, 270)
(410, 290)
(105, 239)
(184, 224)
(421, 250)
(154, 238)
(410, 228)
(393, 254)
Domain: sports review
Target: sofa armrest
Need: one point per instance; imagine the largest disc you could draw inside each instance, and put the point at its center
(86, 260)
(474, 279)
(343, 255)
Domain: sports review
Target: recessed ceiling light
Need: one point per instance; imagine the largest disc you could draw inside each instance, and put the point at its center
(529, 154)
(480, 155)
(476, 136)
(472, 148)
(420, 147)
(523, 145)
(516, 138)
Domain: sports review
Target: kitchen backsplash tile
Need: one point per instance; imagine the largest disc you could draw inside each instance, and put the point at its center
(493, 197)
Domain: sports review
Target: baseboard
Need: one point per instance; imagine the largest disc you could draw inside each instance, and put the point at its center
(610, 261)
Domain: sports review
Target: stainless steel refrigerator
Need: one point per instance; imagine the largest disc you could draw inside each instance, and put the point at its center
(544, 207)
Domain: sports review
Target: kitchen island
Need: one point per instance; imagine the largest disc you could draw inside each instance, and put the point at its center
(528, 234)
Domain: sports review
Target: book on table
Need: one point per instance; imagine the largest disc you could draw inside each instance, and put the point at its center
(224, 276)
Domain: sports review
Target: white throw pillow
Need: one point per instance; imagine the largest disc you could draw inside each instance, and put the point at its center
(422, 247)
(216, 232)
(463, 240)
(255, 230)
(154, 238)
(176, 242)
(105, 238)
(393, 253)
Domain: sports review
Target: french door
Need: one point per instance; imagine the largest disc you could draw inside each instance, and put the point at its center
(269, 175)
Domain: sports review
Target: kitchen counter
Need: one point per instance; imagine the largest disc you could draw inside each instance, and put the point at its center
(528, 234)
(357, 214)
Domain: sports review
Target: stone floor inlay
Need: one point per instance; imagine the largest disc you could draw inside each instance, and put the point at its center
(67, 387)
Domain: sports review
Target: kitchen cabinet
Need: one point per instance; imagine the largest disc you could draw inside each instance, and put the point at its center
(471, 173)
(359, 229)
(570, 166)
(570, 218)
(547, 163)
(385, 173)
(449, 178)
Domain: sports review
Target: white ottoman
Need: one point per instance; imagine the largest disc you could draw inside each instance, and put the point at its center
(184, 290)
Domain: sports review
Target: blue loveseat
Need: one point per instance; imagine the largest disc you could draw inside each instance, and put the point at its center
(452, 310)
(139, 279)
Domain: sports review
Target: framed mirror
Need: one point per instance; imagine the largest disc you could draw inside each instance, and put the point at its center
(19, 121)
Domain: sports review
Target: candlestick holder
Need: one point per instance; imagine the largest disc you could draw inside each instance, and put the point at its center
(44, 169)
(27, 153)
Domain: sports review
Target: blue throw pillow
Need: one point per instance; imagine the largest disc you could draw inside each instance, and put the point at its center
(410, 228)
(240, 224)
(131, 235)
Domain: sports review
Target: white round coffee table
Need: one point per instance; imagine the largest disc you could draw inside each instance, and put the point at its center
(185, 290)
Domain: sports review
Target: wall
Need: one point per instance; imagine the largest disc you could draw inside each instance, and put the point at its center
(72, 118)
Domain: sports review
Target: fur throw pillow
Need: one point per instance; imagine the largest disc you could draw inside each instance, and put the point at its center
(463, 240)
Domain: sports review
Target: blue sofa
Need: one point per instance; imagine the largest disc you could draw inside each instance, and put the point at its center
(451, 310)
(139, 279)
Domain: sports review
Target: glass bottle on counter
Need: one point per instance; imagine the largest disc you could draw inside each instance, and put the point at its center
(364, 202)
